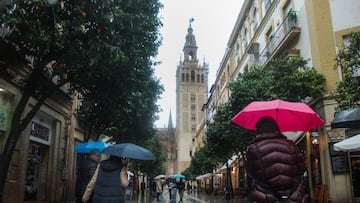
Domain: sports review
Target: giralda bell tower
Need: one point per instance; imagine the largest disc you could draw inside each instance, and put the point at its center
(191, 95)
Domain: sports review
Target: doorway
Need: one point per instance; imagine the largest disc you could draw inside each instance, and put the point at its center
(355, 169)
(35, 161)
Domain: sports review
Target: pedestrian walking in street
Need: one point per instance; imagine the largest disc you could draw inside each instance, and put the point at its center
(142, 185)
(172, 190)
(180, 185)
(188, 187)
(158, 189)
(109, 182)
(275, 165)
(86, 169)
(153, 188)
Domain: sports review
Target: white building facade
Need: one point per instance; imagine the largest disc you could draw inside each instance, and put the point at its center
(314, 30)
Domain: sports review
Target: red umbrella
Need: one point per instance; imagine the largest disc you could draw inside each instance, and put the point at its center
(290, 116)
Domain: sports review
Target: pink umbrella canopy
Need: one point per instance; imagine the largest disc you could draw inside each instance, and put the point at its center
(290, 116)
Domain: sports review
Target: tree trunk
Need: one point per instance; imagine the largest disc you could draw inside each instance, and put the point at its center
(5, 157)
(11, 141)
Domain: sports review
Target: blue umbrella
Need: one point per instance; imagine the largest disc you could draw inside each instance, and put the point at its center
(88, 147)
(129, 150)
(177, 175)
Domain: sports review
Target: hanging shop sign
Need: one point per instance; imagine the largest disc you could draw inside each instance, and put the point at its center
(40, 133)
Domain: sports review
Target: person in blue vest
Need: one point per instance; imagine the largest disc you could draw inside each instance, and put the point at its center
(109, 182)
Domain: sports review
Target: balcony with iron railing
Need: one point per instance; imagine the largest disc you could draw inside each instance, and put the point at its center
(282, 39)
(268, 4)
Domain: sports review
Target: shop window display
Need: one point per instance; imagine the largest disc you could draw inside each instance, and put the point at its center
(32, 172)
(355, 169)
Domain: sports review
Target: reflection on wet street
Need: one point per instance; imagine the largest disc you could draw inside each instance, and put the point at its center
(189, 197)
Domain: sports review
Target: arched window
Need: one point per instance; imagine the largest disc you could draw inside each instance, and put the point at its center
(202, 78)
(187, 77)
(193, 117)
(198, 78)
(192, 76)
(183, 77)
(191, 56)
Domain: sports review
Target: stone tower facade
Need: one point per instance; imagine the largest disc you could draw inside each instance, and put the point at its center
(191, 94)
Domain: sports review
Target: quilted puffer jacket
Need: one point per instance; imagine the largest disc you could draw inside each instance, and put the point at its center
(275, 165)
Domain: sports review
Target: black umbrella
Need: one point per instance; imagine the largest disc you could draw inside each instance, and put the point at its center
(349, 118)
(129, 150)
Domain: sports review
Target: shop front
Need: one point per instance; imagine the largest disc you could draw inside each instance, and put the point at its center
(6, 110)
(36, 171)
(344, 147)
(37, 159)
(355, 174)
(350, 150)
(309, 145)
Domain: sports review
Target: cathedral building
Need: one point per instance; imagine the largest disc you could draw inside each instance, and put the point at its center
(166, 137)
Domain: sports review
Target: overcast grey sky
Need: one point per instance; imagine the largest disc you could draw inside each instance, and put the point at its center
(213, 24)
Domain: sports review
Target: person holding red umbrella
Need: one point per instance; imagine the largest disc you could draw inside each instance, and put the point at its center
(275, 165)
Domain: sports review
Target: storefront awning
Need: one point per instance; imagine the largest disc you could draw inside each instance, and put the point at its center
(294, 136)
(204, 176)
(349, 144)
(229, 162)
(349, 118)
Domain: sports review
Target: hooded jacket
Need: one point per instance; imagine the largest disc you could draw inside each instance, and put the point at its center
(275, 164)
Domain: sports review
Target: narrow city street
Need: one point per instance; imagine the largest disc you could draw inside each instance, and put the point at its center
(189, 197)
(235, 101)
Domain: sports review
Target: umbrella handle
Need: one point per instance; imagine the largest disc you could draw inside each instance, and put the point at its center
(125, 161)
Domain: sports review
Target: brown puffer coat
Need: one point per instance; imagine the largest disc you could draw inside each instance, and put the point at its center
(275, 164)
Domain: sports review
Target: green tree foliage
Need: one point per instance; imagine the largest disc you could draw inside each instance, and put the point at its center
(284, 78)
(189, 174)
(103, 49)
(223, 133)
(347, 93)
(202, 162)
(151, 168)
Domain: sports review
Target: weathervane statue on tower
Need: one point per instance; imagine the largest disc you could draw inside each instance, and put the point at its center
(191, 20)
